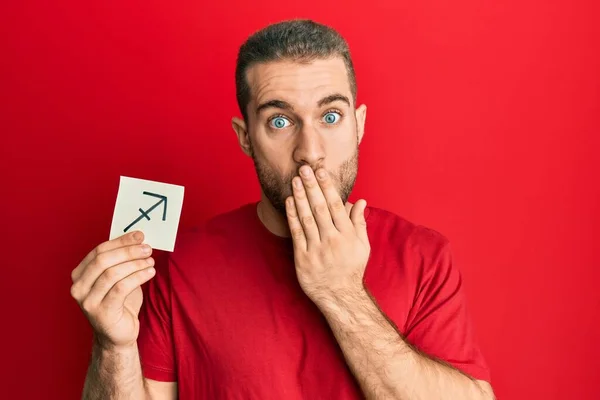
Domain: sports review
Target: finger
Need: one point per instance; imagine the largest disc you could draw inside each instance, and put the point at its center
(123, 288)
(336, 206)
(110, 278)
(317, 201)
(128, 239)
(307, 219)
(348, 207)
(102, 262)
(296, 229)
(357, 215)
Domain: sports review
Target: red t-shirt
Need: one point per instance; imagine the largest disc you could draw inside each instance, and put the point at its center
(227, 319)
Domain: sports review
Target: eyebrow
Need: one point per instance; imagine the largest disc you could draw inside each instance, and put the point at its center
(284, 105)
(332, 98)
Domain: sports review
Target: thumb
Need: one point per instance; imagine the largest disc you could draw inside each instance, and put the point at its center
(357, 215)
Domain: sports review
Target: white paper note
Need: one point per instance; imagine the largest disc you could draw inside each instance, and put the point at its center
(148, 206)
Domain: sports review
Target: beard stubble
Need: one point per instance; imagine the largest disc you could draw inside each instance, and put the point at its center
(278, 188)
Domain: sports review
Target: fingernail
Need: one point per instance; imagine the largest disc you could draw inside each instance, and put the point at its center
(151, 271)
(321, 173)
(138, 236)
(305, 171)
(146, 249)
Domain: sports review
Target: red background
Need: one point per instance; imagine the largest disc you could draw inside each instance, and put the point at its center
(483, 123)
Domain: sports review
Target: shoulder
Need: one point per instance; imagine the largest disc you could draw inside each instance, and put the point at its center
(420, 250)
(423, 254)
(398, 230)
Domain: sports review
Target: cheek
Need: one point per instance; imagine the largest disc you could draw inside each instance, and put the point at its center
(279, 158)
(342, 144)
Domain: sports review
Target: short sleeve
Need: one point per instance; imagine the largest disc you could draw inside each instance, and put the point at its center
(439, 324)
(155, 340)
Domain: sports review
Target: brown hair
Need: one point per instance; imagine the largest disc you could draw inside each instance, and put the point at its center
(298, 40)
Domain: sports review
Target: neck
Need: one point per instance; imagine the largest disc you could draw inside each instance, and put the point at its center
(272, 219)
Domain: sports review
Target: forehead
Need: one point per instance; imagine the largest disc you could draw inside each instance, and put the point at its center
(301, 84)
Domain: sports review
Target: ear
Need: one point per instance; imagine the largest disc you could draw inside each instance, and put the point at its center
(361, 116)
(239, 126)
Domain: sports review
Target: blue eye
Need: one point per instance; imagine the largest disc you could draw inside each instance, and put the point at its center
(279, 122)
(332, 117)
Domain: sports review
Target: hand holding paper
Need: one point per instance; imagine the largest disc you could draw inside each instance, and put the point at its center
(107, 282)
(107, 287)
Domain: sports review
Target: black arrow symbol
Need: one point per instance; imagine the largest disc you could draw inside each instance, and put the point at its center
(145, 214)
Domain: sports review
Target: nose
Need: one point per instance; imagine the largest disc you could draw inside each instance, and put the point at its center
(309, 147)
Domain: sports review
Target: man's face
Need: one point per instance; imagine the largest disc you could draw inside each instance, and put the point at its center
(302, 113)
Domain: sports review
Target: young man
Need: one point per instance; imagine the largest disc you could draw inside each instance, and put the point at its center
(301, 295)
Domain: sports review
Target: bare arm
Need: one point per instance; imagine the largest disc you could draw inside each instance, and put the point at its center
(114, 374)
(107, 287)
(117, 374)
(386, 366)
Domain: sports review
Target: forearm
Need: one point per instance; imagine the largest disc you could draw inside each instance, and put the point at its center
(114, 375)
(386, 366)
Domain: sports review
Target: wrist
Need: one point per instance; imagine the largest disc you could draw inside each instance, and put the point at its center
(344, 303)
(104, 346)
